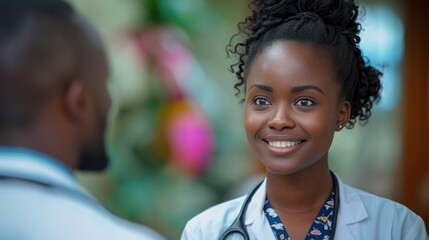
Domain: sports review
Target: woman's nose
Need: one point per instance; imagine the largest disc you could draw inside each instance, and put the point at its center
(281, 118)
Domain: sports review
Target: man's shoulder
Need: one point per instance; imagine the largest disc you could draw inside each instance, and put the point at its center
(47, 213)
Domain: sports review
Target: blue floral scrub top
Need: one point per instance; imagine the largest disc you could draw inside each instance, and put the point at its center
(319, 230)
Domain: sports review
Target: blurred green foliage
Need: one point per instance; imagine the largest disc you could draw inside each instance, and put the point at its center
(141, 184)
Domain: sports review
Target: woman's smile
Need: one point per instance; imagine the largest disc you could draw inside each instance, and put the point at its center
(284, 148)
(282, 145)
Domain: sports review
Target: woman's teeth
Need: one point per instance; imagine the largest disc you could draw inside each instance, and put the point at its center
(282, 144)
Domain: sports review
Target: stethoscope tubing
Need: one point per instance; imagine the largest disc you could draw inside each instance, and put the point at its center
(238, 225)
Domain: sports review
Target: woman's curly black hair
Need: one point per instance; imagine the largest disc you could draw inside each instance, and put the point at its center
(329, 23)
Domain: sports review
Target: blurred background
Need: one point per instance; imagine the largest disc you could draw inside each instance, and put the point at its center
(176, 138)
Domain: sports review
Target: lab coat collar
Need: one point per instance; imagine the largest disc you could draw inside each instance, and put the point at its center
(255, 216)
(352, 210)
(35, 166)
(257, 203)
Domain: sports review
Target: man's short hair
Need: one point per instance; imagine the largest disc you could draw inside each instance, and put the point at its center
(35, 56)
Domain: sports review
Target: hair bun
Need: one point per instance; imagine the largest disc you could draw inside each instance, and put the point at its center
(340, 14)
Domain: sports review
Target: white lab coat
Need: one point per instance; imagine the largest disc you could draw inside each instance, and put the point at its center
(361, 216)
(31, 210)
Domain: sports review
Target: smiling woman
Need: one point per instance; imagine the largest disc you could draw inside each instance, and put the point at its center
(304, 78)
(293, 106)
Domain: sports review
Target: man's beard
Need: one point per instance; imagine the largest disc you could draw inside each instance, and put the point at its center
(94, 157)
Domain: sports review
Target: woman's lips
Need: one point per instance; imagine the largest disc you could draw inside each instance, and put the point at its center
(282, 147)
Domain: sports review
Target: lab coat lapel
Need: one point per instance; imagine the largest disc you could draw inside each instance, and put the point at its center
(343, 231)
(352, 210)
(260, 229)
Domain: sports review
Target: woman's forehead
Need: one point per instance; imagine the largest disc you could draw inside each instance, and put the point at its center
(288, 64)
(291, 60)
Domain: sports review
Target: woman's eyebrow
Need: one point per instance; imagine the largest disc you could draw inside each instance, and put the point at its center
(306, 87)
(262, 87)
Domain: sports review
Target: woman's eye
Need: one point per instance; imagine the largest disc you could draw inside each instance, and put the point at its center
(304, 103)
(261, 101)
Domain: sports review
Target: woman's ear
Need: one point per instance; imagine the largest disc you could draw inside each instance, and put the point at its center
(74, 100)
(343, 115)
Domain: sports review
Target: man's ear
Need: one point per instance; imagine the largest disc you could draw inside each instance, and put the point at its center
(74, 100)
(343, 115)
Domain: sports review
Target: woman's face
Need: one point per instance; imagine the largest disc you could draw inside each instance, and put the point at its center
(293, 107)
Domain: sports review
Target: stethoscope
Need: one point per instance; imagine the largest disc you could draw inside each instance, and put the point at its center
(237, 227)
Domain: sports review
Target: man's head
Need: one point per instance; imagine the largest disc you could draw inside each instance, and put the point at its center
(53, 72)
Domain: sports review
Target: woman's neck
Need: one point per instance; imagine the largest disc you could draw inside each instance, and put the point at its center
(302, 192)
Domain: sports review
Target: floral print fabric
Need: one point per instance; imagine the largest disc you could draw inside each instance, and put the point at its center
(319, 230)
